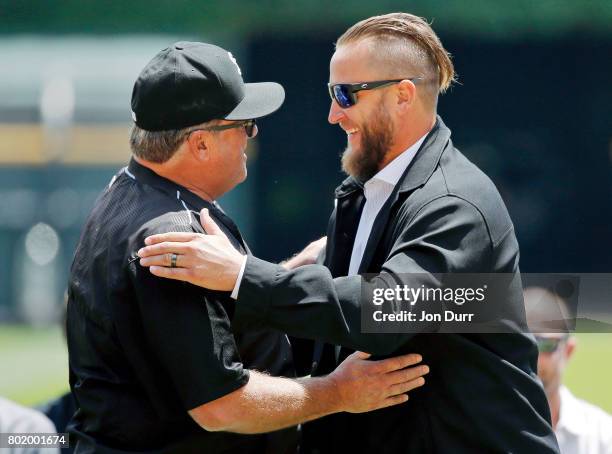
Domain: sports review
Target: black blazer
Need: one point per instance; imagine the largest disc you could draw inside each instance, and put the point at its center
(444, 216)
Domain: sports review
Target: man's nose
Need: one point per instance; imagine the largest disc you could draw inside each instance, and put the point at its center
(336, 113)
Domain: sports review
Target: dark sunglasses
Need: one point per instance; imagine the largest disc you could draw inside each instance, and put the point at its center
(249, 127)
(549, 344)
(344, 94)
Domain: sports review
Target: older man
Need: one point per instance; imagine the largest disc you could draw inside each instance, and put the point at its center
(154, 364)
(412, 207)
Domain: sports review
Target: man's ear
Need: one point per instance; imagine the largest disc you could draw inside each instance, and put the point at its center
(570, 346)
(197, 145)
(406, 94)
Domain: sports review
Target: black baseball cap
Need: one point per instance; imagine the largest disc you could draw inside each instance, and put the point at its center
(190, 83)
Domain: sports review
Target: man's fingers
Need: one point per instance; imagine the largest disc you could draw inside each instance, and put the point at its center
(167, 247)
(210, 226)
(170, 236)
(399, 362)
(179, 274)
(182, 261)
(407, 374)
(393, 400)
(402, 388)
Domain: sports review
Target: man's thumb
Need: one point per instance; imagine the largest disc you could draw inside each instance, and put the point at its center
(362, 355)
(210, 227)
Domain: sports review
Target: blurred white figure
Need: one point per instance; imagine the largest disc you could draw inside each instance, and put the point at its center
(580, 427)
(57, 104)
(39, 262)
(16, 419)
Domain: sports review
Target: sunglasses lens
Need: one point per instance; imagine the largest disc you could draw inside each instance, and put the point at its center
(547, 345)
(342, 95)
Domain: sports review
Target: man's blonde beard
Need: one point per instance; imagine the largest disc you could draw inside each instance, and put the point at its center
(376, 140)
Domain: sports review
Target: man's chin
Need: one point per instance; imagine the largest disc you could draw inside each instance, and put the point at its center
(355, 166)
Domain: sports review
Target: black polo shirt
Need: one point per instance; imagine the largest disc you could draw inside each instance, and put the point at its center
(145, 350)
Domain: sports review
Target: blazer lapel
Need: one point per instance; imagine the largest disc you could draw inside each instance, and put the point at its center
(378, 228)
(341, 236)
(350, 202)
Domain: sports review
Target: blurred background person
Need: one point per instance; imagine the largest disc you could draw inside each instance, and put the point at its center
(580, 427)
(16, 419)
(61, 408)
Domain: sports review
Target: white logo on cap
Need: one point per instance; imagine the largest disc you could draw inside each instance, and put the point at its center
(231, 57)
(133, 115)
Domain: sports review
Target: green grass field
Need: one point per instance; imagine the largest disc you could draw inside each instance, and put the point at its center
(35, 366)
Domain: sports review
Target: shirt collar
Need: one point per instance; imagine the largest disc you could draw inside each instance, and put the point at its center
(570, 418)
(393, 171)
(174, 190)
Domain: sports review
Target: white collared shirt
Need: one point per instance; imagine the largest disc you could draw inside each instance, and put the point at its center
(583, 428)
(376, 191)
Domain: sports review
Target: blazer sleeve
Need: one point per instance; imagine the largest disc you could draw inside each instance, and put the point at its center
(447, 234)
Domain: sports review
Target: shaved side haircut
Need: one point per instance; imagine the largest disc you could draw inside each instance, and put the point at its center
(408, 47)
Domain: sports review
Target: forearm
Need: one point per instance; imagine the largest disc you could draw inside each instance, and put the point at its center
(290, 301)
(293, 262)
(357, 385)
(267, 403)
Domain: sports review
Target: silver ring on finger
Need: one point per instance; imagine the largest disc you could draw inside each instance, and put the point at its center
(173, 259)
